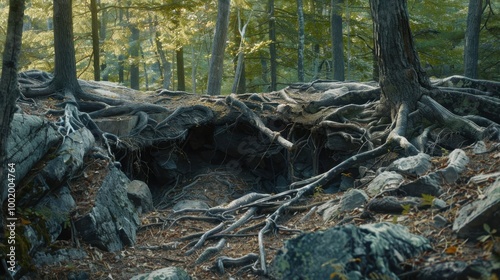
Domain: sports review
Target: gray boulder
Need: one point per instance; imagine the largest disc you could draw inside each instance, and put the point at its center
(457, 161)
(429, 184)
(351, 199)
(140, 195)
(470, 219)
(30, 139)
(167, 273)
(56, 209)
(68, 161)
(387, 180)
(69, 157)
(112, 223)
(413, 165)
(349, 252)
(42, 258)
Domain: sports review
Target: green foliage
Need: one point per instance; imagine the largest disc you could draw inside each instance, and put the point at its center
(438, 29)
(427, 199)
(490, 234)
(406, 209)
(318, 191)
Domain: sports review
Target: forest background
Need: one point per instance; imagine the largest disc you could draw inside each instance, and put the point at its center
(151, 44)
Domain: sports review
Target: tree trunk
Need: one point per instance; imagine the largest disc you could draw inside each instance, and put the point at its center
(134, 55)
(337, 41)
(9, 91)
(102, 33)
(166, 66)
(317, 62)
(239, 71)
(181, 78)
(300, 54)
(272, 46)
(401, 75)
(218, 48)
(121, 69)
(65, 63)
(194, 68)
(471, 49)
(95, 40)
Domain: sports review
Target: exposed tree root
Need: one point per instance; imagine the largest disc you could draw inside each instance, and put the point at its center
(348, 123)
(232, 101)
(224, 262)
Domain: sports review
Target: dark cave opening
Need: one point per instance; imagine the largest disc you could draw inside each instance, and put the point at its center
(235, 148)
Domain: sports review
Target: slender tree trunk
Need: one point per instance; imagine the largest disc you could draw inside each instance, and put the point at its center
(145, 66)
(165, 64)
(216, 67)
(194, 68)
(401, 76)
(9, 92)
(121, 69)
(337, 40)
(102, 33)
(239, 72)
(272, 46)
(65, 63)
(300, 49)
(471, 50)
(134, 50)
(317, 63)
(95, 40)
(265, 72)
(181, 77)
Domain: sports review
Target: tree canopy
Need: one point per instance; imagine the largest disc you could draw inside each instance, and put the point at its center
(438, 29)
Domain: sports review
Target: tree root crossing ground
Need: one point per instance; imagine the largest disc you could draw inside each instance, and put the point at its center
(270, 154)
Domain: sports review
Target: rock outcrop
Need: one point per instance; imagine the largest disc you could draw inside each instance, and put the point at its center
(349, 252)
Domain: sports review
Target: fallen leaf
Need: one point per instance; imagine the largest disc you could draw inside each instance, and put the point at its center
(452, 250)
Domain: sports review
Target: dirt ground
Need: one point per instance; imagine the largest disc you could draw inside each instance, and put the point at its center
(160, 238)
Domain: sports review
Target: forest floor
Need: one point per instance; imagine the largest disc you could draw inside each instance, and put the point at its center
(160, 241)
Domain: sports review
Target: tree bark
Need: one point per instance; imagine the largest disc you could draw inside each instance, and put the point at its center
(337, 41)
(65, 63)
(95, 40)
(181, 78)
(300, 54)
(272, 46)
(239, 83)
(401, 76)
(9, 91)
(217, 59)
(134, 49)
(471, 50)
(102, 33)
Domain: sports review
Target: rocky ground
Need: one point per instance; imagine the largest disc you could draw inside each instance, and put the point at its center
(160, 241)
(165, 235)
